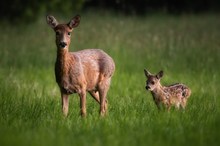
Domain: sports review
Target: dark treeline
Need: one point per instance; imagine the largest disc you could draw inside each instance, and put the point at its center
(30, 9)
(168, 6)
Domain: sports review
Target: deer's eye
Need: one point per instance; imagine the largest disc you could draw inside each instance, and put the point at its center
(68, 33)
(57, 33)
(152, 82)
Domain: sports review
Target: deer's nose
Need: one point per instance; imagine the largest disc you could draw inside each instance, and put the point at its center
(62, 44)
(147, 87)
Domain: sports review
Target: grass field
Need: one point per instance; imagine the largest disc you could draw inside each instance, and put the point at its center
(186, 47)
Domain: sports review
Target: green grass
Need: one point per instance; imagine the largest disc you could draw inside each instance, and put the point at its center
(186, 47)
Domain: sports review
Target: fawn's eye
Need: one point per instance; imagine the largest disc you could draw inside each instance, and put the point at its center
(57, 33)
(152, 82)
(68, 33)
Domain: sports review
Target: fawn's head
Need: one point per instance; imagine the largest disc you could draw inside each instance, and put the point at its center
(153, 81)
(63, 31)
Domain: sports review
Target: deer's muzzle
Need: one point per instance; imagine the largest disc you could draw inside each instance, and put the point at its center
(147, 87)
(62, 44)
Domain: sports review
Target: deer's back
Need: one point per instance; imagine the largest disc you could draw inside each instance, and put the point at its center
(96, 60)
(177, 91)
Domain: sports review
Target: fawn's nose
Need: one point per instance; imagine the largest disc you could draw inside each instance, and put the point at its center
(62, 44)
(147, 87)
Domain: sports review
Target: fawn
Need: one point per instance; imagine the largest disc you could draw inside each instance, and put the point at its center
(78, 72)
(176, 94)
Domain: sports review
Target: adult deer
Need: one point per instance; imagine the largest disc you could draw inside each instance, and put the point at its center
(78, 72)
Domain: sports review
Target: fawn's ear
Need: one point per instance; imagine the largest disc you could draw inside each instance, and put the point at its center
(160, 74)
(147, 73)
(74, 22)
(51, 21)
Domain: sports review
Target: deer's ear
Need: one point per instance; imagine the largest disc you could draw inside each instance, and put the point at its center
(160, 74)
(51, 21)
(74, 22)
(147, 73)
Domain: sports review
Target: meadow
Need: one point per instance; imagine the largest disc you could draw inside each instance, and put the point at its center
(185, 47)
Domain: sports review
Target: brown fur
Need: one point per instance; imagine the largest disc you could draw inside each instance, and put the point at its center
(176, 94)
(77, 72)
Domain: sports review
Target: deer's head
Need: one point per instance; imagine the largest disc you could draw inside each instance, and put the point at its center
(153, 81)
(63, 31)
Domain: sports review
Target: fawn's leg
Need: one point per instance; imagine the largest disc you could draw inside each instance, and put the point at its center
(183, 103)
(65, 103)
(178, 105)
(83, 103)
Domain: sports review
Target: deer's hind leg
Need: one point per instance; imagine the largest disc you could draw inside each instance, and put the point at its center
(95, 95)
(103, 89)
(183, 103)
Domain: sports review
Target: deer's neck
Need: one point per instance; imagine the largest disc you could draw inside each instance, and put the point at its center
(63, 61)
(62, 55)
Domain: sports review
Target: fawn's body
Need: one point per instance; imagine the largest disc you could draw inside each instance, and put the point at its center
(78, 72)
(176, 94)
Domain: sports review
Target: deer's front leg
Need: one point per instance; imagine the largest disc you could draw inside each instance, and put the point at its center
(65, 103)
(83, 103)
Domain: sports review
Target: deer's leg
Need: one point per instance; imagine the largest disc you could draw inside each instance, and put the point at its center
(158, 103)
(178, 105)
(83, 103)
(103, 94)
(65, 103)
(183, 103)
(168, 108)
(103, 89)
(168, 105)
(95, 95)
